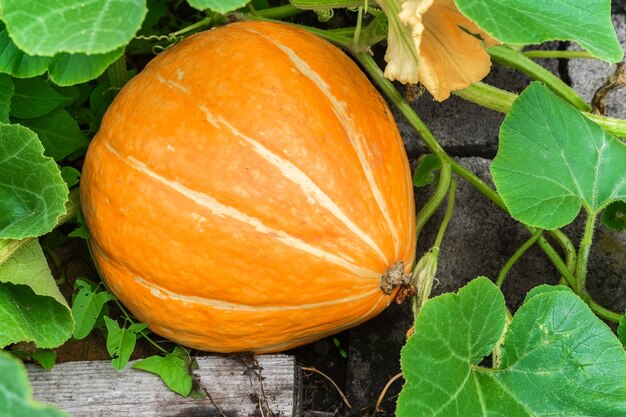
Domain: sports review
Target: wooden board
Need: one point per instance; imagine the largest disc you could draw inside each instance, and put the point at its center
(96, 389)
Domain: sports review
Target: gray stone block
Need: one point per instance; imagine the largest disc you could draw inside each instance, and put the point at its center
(588, 75)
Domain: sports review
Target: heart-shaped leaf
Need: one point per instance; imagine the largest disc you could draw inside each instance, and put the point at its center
(87, 306)
(557, 358)
(121, 341)
(552, 160)
(173, 368)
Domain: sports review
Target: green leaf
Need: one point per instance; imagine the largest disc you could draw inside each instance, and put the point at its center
(59, 133)
(47, 27)
(173, 368)
(425, 172)
(16, 397)
(219, 6)
(6, 92)
(552, 160)
(32, 192)
(558, 358)
(70, 175)
(16, 62)
(87, 306)
(32, 308)
(35, 97)
(614, 216)
(536, 21)
(70, 69)
(121, 341)
(47, 358)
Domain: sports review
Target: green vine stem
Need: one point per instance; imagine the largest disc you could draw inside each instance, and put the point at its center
(435, 201)
(424, 272)
(558, 54)
(116, 73)
(517, 60)
(501, 100)
(517, 255)
(568, 250)
(8, 247)
(583, 253)
(414, 120)
(278, 12)
(447, 216)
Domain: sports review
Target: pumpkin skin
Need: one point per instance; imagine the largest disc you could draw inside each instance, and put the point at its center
(248, 190)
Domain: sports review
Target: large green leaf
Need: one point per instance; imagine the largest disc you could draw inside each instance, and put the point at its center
(552, 160)
(70, 69)
(47, 27)
(59, 133)
(32, 192)
(64, 69)
(34, 97)
(31, 306)
(586, 22)
(16, 397)
(557, 358)
(219, 6)
(6, 92)
(17, 63)
(173, 368)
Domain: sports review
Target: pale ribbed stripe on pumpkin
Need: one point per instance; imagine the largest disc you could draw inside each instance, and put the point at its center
(294, 174)
(340, 111)
(165, 294)
(220, 209)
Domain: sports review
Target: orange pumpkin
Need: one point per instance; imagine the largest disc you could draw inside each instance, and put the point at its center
(248, 191)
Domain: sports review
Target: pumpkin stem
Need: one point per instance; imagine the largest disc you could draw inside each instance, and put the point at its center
(395, 277)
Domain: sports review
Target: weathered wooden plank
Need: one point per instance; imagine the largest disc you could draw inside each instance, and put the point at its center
(95, 389)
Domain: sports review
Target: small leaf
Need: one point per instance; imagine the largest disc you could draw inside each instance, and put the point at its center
(87, 306)
(552, 160)
(614, 216)
(70, 69)
(16, 62)
(121, 341)
(32, 191)
(219, 6)
(6, 92)
(425, 171)
(46, 358)
(16, 397)
(70, 175)
(537, 21)
(35, 97)
(59, 133)
(173, 368)
(47, 27)
(557, 358)
(32, 308)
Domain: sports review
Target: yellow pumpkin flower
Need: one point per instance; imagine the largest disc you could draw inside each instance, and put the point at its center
(431, 42)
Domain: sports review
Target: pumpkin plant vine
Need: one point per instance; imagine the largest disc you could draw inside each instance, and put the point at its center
(554, 322)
